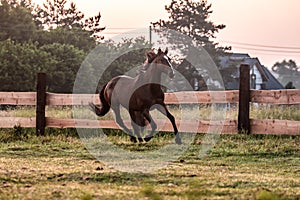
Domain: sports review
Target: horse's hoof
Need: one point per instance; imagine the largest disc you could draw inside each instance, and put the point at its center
(178, 140)
(147, 139)
(133, 139)
(140, 139)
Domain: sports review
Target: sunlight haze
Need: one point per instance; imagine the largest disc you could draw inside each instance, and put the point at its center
(257, 22)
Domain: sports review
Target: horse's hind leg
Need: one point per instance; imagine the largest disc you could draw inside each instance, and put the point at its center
(163, 109)
(119, 121)
(152, 124)
(137, 121)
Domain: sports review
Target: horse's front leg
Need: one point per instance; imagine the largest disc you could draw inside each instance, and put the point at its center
(163, 109)
(147, 115)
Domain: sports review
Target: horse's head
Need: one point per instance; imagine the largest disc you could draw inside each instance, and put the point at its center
(162, 61)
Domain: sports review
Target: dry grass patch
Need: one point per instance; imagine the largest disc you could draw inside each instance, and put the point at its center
(238, 167)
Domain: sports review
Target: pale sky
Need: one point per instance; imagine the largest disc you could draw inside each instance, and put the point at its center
(252, 26)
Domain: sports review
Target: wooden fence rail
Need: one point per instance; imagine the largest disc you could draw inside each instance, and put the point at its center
(287, 97)
(277, 97)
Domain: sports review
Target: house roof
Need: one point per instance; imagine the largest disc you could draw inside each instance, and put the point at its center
(240, 58)
(272, 83)
(255, 62)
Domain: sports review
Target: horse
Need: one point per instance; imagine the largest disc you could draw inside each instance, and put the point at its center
(138, 96)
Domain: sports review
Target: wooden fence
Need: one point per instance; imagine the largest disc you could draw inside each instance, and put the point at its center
(41, 99)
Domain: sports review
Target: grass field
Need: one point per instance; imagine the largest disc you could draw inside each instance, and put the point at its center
(58, 166)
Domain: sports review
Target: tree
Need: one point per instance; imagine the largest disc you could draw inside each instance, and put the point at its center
(92, 25)
(192, 19)
(19, 64)
(288, 71)
(116, 59)
(56, 14)
(192, 75)
(55, 22)
(66, 60)
(135, 57)
(75, 36)
(16, 21)
(289, 85)
(27, 48)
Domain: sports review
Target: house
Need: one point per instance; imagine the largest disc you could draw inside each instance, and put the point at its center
(261, 78)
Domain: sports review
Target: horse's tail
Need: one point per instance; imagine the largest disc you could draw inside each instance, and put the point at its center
(101, 111)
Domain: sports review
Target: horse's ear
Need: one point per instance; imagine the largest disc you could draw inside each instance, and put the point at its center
(166, 51)
(159, 51)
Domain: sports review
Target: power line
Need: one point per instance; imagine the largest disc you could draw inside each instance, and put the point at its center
(123, 28)
(263, 46)
(130, 33)
(105, 31)
(240, 45)
(276, 54)
(268, 50)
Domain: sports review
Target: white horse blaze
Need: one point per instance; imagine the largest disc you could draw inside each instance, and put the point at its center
(167, 59)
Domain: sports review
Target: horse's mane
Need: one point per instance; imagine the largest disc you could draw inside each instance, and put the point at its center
(150, 57)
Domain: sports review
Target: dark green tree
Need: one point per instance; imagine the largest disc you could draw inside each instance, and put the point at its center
(16, 21)
(132, 60)
(54, 22)
(55, 13)
(66, 60)
(192, 75)
(290, 85)
(28, 46)
(192, 19)
(117, 58)
(287, 71)
(19, 63)
(92, 24)
(75, 36)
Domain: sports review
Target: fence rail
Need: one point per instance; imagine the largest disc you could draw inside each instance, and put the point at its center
(288, 97)
(267, 126)
(277, 97)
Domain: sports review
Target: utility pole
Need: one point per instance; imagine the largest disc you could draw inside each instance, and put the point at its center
(150, 34)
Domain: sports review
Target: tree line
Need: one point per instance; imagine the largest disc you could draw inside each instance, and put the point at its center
(54, 38)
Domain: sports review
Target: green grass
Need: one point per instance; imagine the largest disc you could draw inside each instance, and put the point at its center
(202, 112)
(58, 166)
(282, 112)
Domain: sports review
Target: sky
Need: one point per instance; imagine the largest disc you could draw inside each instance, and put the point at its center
(267, 29)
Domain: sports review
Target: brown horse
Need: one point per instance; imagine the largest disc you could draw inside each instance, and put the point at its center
(139, 95)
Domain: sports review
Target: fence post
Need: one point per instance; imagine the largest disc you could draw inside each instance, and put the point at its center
(244, 99)
(41, 103)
